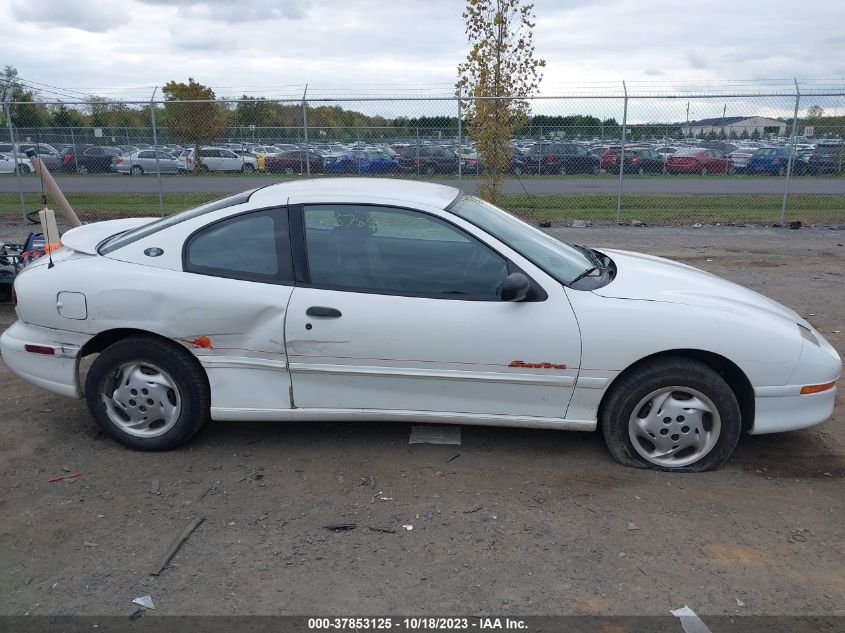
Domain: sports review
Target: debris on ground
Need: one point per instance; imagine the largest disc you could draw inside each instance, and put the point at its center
(632, 526)
(739, 603)
(386, 530)
(690, 622)
(453, 458)
(155, 487)
(470, 511)
(65, 477)
(137, 614)
(171, 552)
(435, 434)
(340, 527)
(408, 527)
(144, 601)
(544, 223)
(581, 224)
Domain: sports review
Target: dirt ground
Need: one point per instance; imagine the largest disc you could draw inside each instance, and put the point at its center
(510, 522)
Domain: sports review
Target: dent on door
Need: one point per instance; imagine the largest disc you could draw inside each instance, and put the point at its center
(234, 328)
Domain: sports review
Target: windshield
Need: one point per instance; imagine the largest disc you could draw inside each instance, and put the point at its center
(560, 260)
(128, 237)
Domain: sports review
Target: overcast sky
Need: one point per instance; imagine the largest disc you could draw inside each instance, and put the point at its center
(376, 47)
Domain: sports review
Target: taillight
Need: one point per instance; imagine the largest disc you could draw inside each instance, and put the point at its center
(635, 160)
(118, 161)
(473, 161)
(189, 160)
(416, 161)
(68, 158)
(40, 349)
(550, 158)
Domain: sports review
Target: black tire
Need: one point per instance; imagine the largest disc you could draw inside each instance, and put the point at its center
(631, 388)
(136, 170)
(430, 169)
(182, 367)
(23, 170)
(248, 168)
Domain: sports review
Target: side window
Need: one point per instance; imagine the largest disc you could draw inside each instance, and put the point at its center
(146, 155)
(253, 247)
(398, 251)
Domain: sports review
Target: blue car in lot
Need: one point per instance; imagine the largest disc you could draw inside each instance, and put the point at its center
(771, 160)
(361, 162)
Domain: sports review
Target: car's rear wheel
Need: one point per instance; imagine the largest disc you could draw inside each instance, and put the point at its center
(147, 393)
(23, 170)
(674, 414)
(248, 168)
(430, 169)
(703, 171)
(136, 170)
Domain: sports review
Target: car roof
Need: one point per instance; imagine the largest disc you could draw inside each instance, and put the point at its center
(392, 191)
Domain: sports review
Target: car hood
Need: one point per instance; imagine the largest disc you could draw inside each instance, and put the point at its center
(86, 238)
(650, 278)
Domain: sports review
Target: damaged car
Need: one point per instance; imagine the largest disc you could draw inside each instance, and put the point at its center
(364, 299)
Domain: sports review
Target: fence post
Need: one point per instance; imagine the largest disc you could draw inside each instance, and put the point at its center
(305, 130)
(6, 99)
(155, 152)
(791, 155)
(460, 161)
(622, 154)
(73, 143)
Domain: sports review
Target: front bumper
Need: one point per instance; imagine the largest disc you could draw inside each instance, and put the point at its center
(58, 372)
(779, 409)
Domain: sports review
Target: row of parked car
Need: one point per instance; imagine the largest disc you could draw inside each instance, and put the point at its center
(528, 157)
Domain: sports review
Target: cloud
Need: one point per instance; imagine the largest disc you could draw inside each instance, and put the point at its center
(241, 11)
(94, 17)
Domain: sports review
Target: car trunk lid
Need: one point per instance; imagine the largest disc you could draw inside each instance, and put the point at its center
(86, 238)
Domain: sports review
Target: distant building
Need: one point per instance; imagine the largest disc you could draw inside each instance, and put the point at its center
(739, 124)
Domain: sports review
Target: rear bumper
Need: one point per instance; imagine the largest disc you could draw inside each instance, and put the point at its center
(778, 409)
(58, 372)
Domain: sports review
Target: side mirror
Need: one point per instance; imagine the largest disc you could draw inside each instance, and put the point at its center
(515, 287)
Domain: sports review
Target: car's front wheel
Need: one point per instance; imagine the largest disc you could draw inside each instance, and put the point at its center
(673, 414)
(147, 393)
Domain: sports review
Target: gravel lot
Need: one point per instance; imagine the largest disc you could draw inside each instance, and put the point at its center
(510, 522)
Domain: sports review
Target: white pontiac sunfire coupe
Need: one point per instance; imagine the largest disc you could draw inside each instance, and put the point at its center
(344, 299)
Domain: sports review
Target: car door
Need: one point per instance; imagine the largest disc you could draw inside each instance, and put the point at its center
(242, 279)
(166, 162)
(231, 161)
(210, 159)
(396, 309)
(145, 159)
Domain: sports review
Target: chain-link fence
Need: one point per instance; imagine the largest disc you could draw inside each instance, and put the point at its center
(630, 158)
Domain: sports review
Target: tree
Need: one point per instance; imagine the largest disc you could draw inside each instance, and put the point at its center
(193, 114)
(24, 111)
(755, 135)
(499, 72)
(815, 112)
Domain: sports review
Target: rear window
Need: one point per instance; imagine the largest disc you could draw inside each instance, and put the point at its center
(124, 239)
(688, 152)
(824, 150)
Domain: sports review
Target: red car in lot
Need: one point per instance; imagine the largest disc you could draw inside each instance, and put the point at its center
(698, 161)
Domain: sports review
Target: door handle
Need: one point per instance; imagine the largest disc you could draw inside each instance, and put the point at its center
(320, 311)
